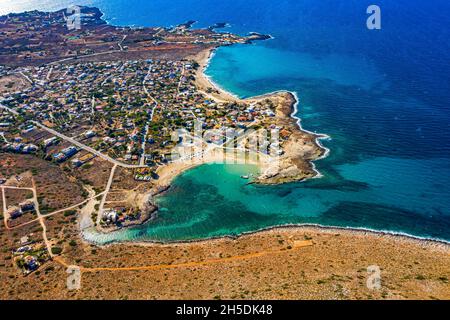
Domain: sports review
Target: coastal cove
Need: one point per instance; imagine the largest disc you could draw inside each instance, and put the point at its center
(388, 169)
(201, 150)
(236, 202)
(369, 179)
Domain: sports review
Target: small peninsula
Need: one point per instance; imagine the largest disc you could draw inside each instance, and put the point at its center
(97, 120)
(126, 91)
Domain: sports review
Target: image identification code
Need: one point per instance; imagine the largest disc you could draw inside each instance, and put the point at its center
(226, 309)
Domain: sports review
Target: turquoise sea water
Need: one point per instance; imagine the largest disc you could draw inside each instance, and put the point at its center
(383, 97)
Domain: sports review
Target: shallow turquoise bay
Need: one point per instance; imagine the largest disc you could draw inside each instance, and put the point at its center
(213, 200)
(389, 166)
(382, 96)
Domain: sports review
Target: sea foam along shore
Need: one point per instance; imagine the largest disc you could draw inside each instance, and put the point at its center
(315, 227)
(319, 136)
(356, 230)
(283, 227)
(205, 60)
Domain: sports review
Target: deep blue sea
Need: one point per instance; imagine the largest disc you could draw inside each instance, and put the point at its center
(381, 95)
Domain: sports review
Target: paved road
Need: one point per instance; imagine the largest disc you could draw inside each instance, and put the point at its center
(105, 194)
(9, 109)
(181, 78)
(85, 147)
(76, 143)
(141, 161)
(26, 77)
(3, 137)
(77, 57)
(5, 217)
(49, 73)
(82, 57)
(121, 41)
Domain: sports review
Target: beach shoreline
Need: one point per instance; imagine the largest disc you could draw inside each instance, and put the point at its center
(203, 80)
(300, 227)
(168, 173)
(135, 233)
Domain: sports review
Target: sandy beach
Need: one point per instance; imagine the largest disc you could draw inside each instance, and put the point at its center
(203, 82)
(286, 111)
(100, 120)
(301, 149)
